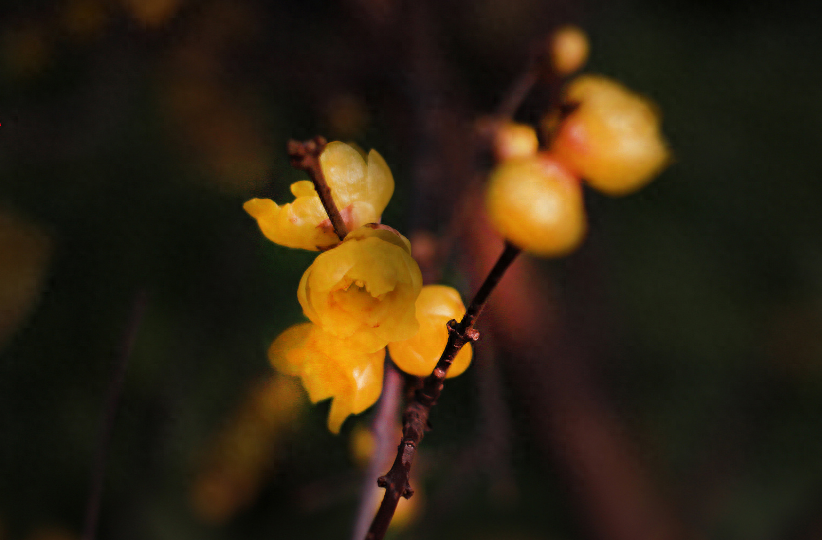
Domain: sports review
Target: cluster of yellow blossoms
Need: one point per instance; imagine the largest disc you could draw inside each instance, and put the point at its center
(361, 294)
(364, 293)
(603, 133)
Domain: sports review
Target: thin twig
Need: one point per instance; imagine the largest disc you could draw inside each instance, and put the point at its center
(518, 92)
(306, 157)
(415, 416)
(115, 389)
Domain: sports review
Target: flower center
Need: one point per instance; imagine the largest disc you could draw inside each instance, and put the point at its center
(354, 297)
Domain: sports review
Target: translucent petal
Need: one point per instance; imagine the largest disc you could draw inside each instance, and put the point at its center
(368, 383)
(345, 172)
(294, 224)
(380, 184)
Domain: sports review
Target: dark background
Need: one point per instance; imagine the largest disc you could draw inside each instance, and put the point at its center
(131, 132)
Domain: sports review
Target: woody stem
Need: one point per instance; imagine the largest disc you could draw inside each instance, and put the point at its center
(306, 157)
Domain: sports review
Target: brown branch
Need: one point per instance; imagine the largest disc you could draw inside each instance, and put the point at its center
(115, 388)
(383, 428)
(306, 157)
(415, 416)
(574, 424)
(538, 67)
(518, 91)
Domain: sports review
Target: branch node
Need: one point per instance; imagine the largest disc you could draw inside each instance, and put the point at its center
(408, 492)
(422, 398)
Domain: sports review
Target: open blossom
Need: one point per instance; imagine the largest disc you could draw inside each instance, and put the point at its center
(612, 138)
(330, 367)
(418, 355)
(361, 190)
(364, 289)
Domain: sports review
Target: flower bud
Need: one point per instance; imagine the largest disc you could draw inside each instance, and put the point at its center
(513, 140)
(364, 289)
(537, 205)
(360, 191)
(569, 50)
(436, 305)
(612, 138)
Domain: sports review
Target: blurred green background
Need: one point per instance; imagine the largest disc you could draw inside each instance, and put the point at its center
(131, 132)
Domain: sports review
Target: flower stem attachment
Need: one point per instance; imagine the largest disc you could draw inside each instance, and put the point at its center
(306, 157)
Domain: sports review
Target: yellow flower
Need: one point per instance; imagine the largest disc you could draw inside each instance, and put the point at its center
(330, 367)
(436, 305)
(364, 289)
(537, 204)
(360, 190)
(612, 139)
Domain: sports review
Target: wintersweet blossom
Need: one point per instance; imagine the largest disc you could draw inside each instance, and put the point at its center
(361, 190)
(364, 289)
(536, 203)
(330, 367)
(612, 138)
(418, 355)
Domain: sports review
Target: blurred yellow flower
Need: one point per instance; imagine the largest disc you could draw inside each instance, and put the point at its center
(537, 204)
(24, 255)
(364, 289)
(418, 355)
(237, 462)
(152, 13)
(330, 367)
(612, 139)
(360, 190)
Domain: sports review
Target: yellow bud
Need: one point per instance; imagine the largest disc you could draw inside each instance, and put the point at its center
(513, 140)
(360, 190)
(418, 355)
(364, 289)
(537, 205)
(569, 50)
(330, 367)
(612, 139)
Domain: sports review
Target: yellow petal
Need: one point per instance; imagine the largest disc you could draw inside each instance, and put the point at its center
(380, 184)
(345, 172)
(368, 382)
(418, 355)
(303, 188)
(359, 190)
(282, 354)
(340, 410)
